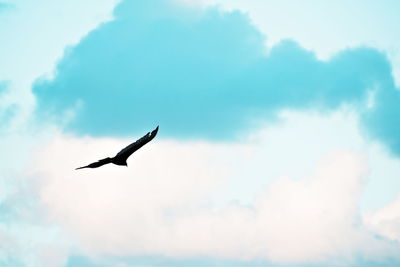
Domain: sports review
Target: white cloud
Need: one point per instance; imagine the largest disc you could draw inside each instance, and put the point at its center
(25, 239)
(306, 220)
(211, 194)
(162, 178)
(32, 244)
(172, 200)
(386, 221)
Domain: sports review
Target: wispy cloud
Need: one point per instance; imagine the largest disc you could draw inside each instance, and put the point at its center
(7, 111)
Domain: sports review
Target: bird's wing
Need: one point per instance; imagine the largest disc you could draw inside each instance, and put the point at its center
(127, 151)
(96, 164)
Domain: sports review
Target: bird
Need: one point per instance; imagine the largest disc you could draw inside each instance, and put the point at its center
(121, 157)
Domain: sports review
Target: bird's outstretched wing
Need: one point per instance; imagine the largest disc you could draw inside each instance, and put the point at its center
(96, 164)
(127, 151)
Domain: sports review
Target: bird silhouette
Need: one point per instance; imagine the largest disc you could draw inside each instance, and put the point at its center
(123, 155)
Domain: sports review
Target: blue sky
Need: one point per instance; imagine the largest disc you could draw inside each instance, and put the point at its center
(278, 146)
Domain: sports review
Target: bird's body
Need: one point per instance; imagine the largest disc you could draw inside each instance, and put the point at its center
(123, 155)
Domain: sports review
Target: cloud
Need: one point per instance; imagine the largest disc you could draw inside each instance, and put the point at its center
(7, 111)
(159, 206)
(5, 6)
(180, 204)
(382, 122)
(2, 87)
(204, 74)
(79, 260)
(166, 66)
(324, 27)
(6, 116)
(26, 239)
(28, 22)
(386, 221)
(160, 184)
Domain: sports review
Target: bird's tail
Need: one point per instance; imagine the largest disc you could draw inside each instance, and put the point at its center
(82, 167)
(97, 164)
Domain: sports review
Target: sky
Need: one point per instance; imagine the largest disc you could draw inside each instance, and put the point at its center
(279, 140)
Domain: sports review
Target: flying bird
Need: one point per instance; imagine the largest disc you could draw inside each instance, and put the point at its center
(123, 155)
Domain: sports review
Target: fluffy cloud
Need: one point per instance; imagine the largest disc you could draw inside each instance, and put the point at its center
(205, 74)
(386, 221)
(159, 205)
(25, 238)
(172, 187)
(325, 27)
